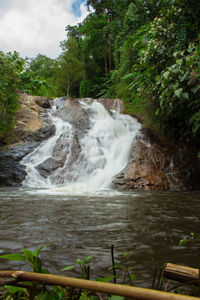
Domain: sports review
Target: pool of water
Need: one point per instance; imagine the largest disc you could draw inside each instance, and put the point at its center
(148, 225)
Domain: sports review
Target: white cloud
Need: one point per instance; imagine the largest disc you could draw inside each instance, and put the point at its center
(36, 26)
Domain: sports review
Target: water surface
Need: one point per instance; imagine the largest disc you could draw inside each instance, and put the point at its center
(149, 225)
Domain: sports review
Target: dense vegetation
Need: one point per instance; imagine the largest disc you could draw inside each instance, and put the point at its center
(144, 52)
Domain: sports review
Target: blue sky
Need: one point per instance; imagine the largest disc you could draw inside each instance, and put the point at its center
(37, 26)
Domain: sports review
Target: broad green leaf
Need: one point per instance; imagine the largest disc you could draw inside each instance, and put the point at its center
(13, 289)
(68, 268)
(16, 257)
(28, 254)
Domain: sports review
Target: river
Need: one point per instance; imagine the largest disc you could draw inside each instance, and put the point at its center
(148, 225)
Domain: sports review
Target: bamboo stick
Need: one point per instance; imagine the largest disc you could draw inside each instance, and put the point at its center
(108, 288)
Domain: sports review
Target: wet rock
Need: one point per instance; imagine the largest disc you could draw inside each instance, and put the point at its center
(48, 166)
(155, 165)
(42, 133)
(12, 173)
(28, 133)
(43, 102)
(76, 114)
(28, 117)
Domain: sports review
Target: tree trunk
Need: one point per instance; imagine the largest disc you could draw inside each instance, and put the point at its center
(105, 62)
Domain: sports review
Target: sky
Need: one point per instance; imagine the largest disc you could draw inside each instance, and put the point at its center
(31, 27)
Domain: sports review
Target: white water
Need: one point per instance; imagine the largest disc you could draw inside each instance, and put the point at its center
(104, 152)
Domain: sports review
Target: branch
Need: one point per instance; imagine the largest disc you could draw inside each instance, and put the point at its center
(102, 287)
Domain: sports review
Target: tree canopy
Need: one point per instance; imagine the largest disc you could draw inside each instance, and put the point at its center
(144, 52)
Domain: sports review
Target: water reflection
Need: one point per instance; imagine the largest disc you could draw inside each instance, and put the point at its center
(148, 225)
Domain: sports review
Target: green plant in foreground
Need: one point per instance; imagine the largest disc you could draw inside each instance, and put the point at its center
(30, 258)
(37, 290)
(84, 267)
(124, 267)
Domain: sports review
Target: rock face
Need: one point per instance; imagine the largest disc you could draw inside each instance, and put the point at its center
(29, 131)
(68, 144)
(155, 165)
(28, 117)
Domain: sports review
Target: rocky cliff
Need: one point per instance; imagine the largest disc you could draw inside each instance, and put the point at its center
(155, 165)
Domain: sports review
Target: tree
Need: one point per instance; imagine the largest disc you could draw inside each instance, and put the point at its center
(10, 67)
(38, 75)
(69, 69)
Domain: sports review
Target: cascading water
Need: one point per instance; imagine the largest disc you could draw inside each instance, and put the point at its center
(84, 154)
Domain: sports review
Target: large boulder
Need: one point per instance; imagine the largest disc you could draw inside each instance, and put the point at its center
(158, 165)
(28, 133)
(27, 118)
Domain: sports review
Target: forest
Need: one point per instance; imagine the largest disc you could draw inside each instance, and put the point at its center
(143, 52)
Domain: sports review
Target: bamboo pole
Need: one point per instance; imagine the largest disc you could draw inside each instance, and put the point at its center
(108, 288)
(180, 273)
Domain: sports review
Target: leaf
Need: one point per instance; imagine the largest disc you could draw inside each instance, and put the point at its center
(39, 249)
(15, 257)
(183, 241)
(28, 254)
(105, 279)
(116, 266)
(178, 92)
(86, 259)
(166, 74)
(13, 289)
(68, 268)
(79, 261)
(179, 61)
(113, 297)
(186, 95)
(133, 277)
(128, 76)
(195, 89)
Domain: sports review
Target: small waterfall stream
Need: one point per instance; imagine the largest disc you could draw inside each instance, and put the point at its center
(85, 153)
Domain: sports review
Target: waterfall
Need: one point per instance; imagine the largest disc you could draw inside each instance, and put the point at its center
(90, 147)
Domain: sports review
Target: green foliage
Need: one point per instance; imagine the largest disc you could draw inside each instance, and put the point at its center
(37, 77)
(85, 88)
(159, 67)
(10, 68)
(69, 70)
(83, 265)
(29, 257)
(34, 290)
